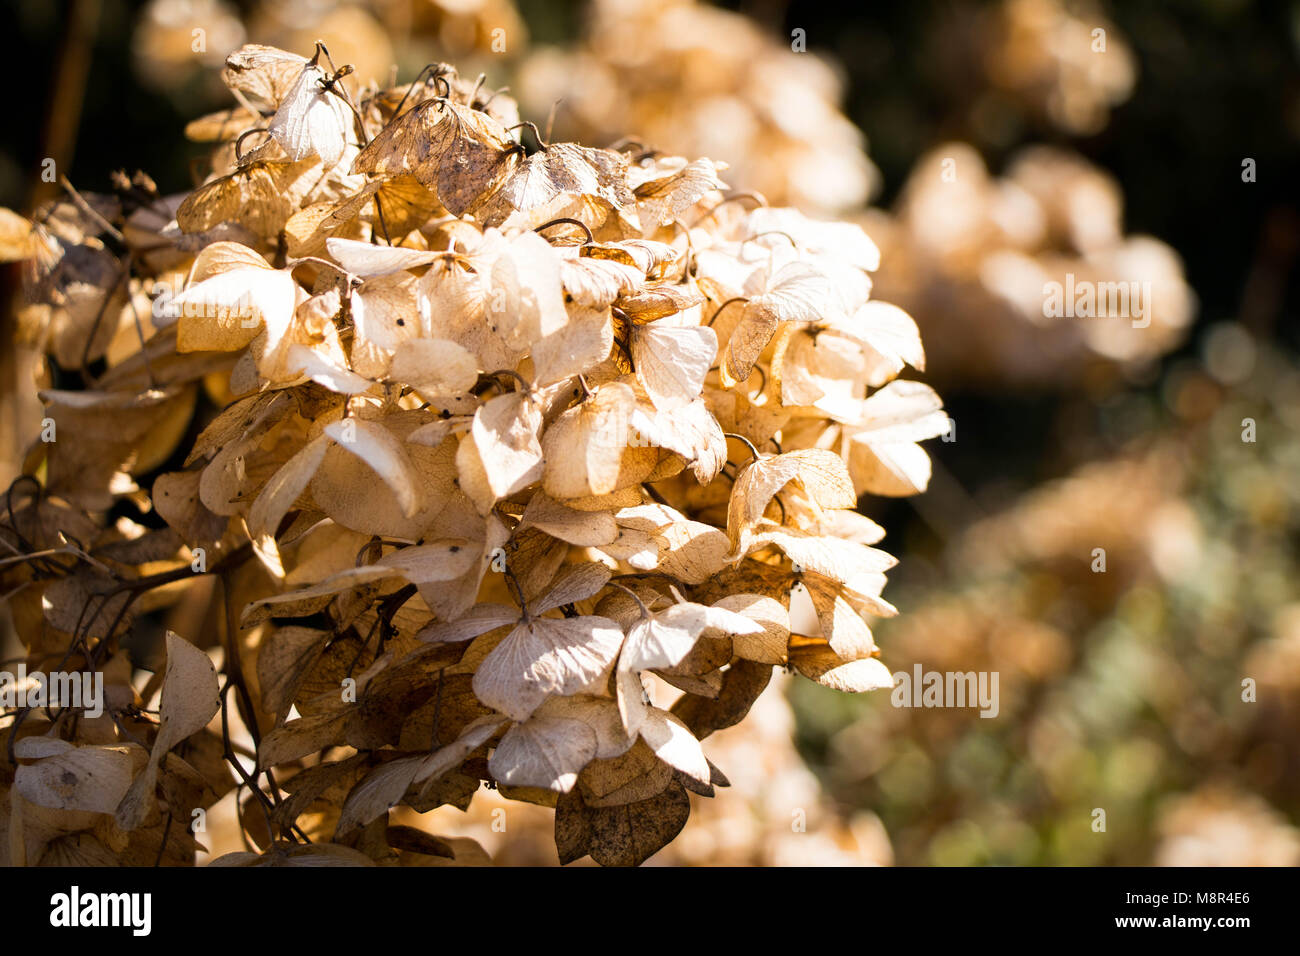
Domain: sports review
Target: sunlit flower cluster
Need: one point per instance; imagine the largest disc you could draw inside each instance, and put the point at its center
(495, 448)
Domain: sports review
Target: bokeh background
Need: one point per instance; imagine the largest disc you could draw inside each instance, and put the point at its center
(988, 146)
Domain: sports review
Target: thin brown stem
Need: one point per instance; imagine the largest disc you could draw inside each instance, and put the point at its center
(738, 298)
(753, 451)
(572, 222)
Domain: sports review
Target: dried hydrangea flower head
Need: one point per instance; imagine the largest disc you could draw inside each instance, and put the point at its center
(510, 459)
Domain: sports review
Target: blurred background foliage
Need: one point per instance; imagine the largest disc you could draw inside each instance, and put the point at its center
(1120, 691)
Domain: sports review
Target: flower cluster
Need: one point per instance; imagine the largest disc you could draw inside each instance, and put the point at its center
(976, 257)
(178, 46)
(1065, 62)
(689, 77)
(508, 459)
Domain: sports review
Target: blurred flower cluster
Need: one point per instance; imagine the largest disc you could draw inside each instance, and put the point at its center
(692, 79)
(181, 44)
(1061, 60)
(971, 256)
(1162, 690)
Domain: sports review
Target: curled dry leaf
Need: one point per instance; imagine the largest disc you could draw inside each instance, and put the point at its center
(189, 700)
(545, 656)
(625, 835)
(883, 445)
(312, 119)
(92, 779)
(585, 447)
(672, 363)
(563, 169)
(264, 74)
(819, 473)
(461, 153)
(546, 752)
